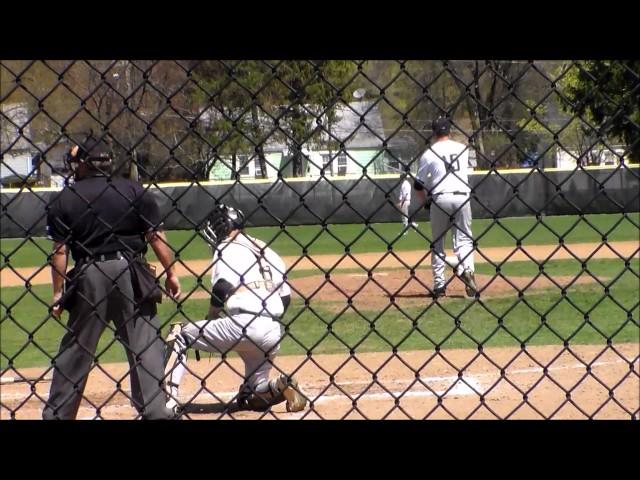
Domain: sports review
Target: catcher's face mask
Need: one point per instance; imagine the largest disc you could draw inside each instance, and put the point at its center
(220, 223)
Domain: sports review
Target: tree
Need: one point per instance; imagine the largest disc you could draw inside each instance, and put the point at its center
(489, 101)
(225, 101)
(607, 93)
(310, 92)
(243, 105)
(140, 104)
(415, 92)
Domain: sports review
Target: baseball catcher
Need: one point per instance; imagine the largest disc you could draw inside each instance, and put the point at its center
(249, 296)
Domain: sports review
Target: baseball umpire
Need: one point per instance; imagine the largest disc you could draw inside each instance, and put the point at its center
(249, 296)
(443, 176)
(106, 222)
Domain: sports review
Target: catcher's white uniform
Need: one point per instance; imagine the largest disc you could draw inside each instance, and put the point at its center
(249, 325)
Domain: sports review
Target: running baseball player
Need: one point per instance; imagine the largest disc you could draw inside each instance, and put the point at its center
(249, 296)
(443, 176)
(404, 200)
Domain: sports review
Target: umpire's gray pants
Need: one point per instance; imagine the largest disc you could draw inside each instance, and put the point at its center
(449, 211)
(104, 293)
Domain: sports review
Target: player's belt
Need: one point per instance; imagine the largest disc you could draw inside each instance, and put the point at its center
(266, 284)
(451, 193)
(264, 313)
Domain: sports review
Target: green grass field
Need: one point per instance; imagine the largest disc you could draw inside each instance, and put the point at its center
(315, 240)
(586, 315)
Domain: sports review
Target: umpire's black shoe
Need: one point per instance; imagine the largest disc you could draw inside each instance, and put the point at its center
(439, 292)
(469, 283)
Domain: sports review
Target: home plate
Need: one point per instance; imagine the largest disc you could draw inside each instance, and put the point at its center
(467, 387)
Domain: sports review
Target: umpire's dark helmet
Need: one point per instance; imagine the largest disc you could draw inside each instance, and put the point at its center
(220, 222)
(90, 149)
(95, 152)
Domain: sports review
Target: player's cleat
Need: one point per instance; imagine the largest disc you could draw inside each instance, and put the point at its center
(414, 224)
(439, 292)
(469, 281)
(289, 388)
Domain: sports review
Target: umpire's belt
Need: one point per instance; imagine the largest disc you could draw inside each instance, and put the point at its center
(103, 257)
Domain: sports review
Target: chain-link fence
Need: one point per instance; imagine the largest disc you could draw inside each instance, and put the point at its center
(331, 292)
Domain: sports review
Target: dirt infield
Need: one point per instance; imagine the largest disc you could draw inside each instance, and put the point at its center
(42, 275)
(541, 382)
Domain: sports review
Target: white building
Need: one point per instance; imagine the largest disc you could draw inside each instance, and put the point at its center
(567, 159)
(16, 162)
(358, 126)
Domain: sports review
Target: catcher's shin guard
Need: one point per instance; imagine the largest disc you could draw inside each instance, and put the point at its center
(169, 350)
(173, 367)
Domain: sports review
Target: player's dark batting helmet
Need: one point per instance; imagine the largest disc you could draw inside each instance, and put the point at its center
(220, 222)
(441, 126)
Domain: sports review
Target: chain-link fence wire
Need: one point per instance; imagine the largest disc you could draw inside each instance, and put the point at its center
(297, 142)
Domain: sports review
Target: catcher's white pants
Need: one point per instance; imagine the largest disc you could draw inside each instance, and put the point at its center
(449, 211)
(255, 339)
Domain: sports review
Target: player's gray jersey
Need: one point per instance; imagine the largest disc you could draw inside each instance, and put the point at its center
(444, 167)
(261, 276)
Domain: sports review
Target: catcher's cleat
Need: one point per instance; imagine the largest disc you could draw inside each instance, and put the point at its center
(256, 403)
(469, 281)
(289, 388)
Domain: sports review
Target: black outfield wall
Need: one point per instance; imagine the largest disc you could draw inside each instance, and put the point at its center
(360, 200)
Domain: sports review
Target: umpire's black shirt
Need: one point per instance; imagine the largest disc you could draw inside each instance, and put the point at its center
(98, 215)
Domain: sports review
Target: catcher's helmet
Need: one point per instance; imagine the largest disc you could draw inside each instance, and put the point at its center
(220, 222)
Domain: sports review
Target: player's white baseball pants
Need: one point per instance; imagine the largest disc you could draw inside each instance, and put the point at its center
(257, 346)
(404, 208)
(450, 211)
